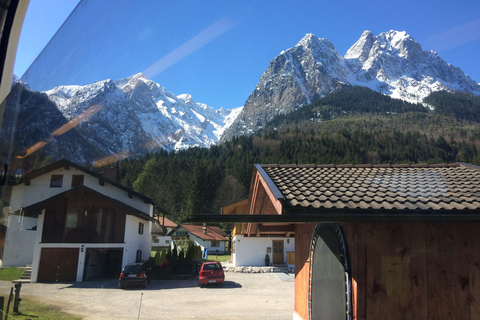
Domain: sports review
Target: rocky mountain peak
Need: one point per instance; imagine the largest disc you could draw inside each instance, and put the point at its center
(392, 63)
(361, 49)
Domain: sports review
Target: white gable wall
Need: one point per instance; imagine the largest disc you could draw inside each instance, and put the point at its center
(251, 251)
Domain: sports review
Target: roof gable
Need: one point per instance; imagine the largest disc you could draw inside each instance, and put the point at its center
(67, 164)
(209, 233)
(33, 209)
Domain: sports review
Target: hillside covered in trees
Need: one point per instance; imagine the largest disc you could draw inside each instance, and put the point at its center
(354, 126)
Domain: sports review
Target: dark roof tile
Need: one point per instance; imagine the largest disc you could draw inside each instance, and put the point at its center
(403, 187)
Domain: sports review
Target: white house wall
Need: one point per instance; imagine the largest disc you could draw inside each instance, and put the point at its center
(163, 241)
(207, 244)
(19, 241)
(135, 241)
(251, 251)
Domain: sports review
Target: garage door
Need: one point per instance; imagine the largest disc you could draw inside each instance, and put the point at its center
(58, 264)
(103, 263)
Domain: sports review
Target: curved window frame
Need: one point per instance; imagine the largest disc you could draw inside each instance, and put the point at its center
(344, 253)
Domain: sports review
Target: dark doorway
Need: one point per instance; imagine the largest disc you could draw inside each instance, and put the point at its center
(102, 263)
(278, 257)
(58, 264)
(329, 275)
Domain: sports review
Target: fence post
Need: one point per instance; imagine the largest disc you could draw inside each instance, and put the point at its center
(8, 304)
(16, 301)
(2, 302)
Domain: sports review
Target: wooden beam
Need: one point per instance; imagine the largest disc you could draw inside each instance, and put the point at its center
(353, 216)
(277, 229)
(275, 202)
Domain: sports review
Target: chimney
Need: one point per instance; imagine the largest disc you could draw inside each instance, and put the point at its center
(110, 173)
(205, 230)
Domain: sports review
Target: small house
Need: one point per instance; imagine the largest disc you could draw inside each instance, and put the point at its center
(161, 227)
(211, 239)
(252, 242)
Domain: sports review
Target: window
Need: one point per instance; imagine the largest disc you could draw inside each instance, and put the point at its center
(77, 180)
(215, 243)
(139, 256)
(155, 240)
(56, 181)
(140, 227)
(167, 241)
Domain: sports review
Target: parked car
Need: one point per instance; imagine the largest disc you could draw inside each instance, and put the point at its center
(211, 272)
(132, 275)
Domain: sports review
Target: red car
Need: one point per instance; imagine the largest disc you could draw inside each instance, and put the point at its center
(211, 272)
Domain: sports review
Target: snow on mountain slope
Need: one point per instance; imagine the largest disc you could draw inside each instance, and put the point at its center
(135, 115)
(392, 63)
(395, 64)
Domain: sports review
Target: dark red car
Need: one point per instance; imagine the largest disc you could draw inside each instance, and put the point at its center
(133, 274)
(211, 272)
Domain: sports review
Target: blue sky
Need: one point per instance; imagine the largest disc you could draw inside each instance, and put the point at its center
(217, 50)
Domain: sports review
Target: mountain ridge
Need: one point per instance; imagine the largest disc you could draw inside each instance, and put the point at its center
(392, 63)
(126, 117)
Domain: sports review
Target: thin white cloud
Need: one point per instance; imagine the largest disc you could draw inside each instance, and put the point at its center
(189, 47)
(455, 37)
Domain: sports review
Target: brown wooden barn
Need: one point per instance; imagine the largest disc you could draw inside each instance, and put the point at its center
(377, 242)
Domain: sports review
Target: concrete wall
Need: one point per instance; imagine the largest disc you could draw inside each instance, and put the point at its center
(19, 241)
(251, 251)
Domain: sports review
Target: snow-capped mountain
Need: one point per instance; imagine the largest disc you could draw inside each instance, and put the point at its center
(137, 114)
(392, 63)
(134, 115)
(395, 64)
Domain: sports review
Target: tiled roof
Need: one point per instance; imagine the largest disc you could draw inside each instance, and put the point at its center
(401, 187)
(212, 233)
(163, 221)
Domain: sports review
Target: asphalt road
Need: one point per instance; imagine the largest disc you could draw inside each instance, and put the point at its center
(244, 296)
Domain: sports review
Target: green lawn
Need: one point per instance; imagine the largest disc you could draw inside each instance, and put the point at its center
(9, 274)
(29, 308)
(221, 258)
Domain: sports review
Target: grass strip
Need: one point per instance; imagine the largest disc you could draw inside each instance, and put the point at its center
(32, 309)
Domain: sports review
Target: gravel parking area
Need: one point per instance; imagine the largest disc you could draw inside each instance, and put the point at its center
(243, 296)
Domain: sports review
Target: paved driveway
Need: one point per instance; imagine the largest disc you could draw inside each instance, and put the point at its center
(244, 296)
